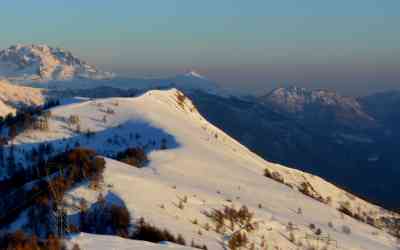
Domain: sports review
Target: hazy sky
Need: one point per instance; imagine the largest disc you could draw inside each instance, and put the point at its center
(351, 45)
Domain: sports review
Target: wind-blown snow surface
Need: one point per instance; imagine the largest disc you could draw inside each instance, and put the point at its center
(14, 96)
(203, 164)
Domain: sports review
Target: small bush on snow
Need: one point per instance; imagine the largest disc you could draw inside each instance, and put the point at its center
(133, 156)
(346, 229)
(235, 218)
(195, 245)
(147, 232)
(76, 247)
(238, 240)
(274, 175)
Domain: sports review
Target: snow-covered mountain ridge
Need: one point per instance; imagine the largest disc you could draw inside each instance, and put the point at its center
(208, 167)
(13, 97)
(319, 106)
(41, 63)
(295, 99)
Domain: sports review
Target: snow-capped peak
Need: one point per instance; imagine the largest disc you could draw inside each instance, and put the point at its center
(195, 74)
(44, 63)
(302, 102)
(295, 98)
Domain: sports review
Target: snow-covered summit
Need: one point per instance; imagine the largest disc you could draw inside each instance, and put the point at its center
(195, 74)
(295, 98)
(305, 103)
(41, 63)
(193, 80)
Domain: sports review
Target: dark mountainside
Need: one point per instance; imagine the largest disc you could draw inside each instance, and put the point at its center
(347, 141)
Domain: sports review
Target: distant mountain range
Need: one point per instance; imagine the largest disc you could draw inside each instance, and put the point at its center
(318, 106)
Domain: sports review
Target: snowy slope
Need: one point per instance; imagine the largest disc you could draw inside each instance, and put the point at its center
(41, 63)
(100, 242)
(205, 165)
(14, 96)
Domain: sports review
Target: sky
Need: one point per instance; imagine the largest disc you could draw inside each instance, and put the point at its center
(352, 46)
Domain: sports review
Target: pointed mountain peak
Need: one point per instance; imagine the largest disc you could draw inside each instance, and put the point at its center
(195, 74)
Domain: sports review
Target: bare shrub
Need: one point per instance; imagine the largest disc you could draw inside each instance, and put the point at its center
(19, 240)
(274, 175)
(346, 209)
(198, 246)
(146, 232)
(346, 229)
(292, 238)
(237, 241)
(181, 99)
(307, 189)
(180, 205)
(299, 211)
(133, 156)
(76, 247)
(241, 218)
